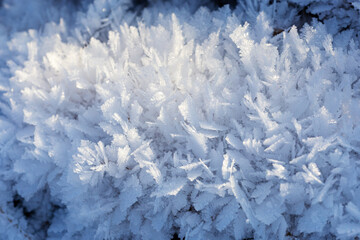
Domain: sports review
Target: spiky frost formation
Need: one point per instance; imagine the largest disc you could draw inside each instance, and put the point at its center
(199, 125)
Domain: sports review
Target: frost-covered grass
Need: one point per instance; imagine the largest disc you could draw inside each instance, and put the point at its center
(122, 121)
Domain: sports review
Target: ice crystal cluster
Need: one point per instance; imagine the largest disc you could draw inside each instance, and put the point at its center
(173, 119)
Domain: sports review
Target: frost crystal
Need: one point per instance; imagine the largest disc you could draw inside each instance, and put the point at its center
(125, 121)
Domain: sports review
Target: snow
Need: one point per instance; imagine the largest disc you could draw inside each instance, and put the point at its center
(122, 121)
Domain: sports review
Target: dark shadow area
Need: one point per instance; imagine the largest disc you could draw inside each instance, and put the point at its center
(221, 3)
(176, 237)
(39, 218)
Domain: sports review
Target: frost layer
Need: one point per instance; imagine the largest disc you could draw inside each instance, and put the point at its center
(199, 125)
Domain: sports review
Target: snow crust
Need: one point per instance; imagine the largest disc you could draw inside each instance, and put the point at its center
(179, 119)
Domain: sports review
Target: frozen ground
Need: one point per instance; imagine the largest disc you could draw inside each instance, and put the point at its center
(123, 120)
